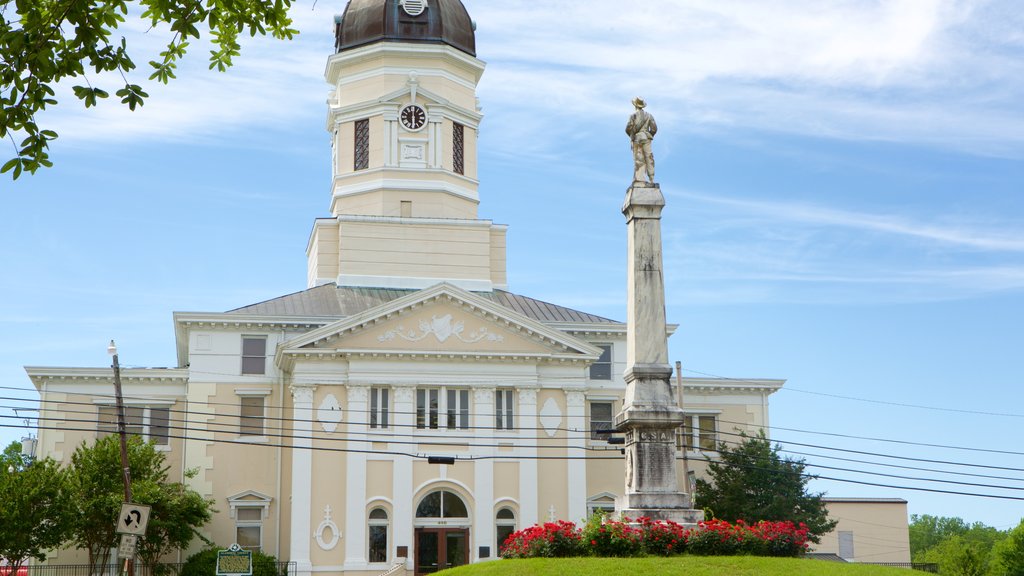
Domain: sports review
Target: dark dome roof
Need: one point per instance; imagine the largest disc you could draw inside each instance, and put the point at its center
(368, 21)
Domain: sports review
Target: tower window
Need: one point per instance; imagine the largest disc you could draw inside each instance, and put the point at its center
(459, 148)
(362, 144)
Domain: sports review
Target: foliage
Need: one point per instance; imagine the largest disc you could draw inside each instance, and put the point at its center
(177, 512)
(956, 556)
(12, 457)
(674, 566)
(927, 531)
(752, 482)
(1008, 554)
(204, 563)
(44, 42)
(609, 538)
(35, 511)
(550, 540)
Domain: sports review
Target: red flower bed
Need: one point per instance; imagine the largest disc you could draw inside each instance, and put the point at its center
(600, 537)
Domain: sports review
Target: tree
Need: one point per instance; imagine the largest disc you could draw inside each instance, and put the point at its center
(12, 457)
(751, 482)
(928, 531)
(957, 557)
(1008, 554)
(177, 512)
(44, 42)
(35, 511)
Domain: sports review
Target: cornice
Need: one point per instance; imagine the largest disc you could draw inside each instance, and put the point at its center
(406, 51)
(759, 385)
(38, 374)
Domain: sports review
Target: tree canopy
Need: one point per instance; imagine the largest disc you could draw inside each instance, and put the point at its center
(12, 457)
(45, 42)
(752, 482)
(177, 512)
(35, 511)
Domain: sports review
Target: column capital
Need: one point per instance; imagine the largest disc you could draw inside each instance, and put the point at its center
(302, 392)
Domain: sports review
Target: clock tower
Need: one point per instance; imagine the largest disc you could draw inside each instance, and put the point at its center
(403, 118)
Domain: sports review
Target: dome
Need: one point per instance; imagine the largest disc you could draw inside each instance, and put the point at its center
(428, 21)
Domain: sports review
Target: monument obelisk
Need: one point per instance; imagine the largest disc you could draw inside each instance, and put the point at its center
(650, 416)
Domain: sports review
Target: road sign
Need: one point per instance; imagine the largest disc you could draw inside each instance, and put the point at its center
(133, 519)
(127, 547)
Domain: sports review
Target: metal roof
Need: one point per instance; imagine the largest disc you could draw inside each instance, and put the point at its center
(341, 301)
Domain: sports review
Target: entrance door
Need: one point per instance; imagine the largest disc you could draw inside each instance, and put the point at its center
(441, 548)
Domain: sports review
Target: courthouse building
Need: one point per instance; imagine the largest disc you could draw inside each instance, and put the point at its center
(316, 420)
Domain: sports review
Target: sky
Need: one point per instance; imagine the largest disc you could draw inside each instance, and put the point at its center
(845, 210)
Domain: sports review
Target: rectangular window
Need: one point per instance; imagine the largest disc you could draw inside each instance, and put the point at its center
(362, 145)
(153, 424)
(405, 208)
(602, 368)
(458, 409)
(378, 407)
(459, 148)
(254, 355)
(250, 420)
(431, 403)
(503, 410)
(699, 432)
(249, 527)
(159, 425)
(600, 420)
(378, 539)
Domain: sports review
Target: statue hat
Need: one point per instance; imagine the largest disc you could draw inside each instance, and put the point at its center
(639, 102)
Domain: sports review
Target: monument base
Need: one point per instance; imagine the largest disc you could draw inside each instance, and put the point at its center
(666, 506)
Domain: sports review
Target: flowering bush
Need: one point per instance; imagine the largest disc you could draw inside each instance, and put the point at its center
(550, 540)
(719, 538)
(607, 538)
(602, 537)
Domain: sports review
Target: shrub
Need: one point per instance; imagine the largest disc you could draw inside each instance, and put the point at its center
(608, 538)
(204, 563)
(551, 540)
(604, 538)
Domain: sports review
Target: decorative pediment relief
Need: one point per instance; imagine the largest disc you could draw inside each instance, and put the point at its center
(442, 320)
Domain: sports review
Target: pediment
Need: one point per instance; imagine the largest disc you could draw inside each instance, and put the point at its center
(446, 320)
(423, 97)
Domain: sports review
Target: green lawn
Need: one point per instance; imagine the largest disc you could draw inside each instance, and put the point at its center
(679, 565)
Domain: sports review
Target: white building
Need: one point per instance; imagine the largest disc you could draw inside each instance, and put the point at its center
(311, 417)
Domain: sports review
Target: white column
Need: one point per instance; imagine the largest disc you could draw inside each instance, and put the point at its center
(401, 524)
(302, 477)
(355, 480)
(577, 466)
(483, 528)
(393, 141)
(389, 147)
(528, 464)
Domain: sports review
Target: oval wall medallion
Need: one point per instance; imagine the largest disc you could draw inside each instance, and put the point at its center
(329, 413)
(325, 526)
(550, 417)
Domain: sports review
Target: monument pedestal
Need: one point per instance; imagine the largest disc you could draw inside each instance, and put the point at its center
(650, 416)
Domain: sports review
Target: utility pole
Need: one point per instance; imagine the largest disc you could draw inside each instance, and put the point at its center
(679, 400)
(129, 566)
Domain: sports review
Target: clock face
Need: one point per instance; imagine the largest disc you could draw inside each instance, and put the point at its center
(413, 117)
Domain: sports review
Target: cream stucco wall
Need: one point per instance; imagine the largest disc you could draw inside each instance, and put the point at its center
(878, 529)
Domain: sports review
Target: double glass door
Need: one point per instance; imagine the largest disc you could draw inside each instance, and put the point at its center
(441, 548)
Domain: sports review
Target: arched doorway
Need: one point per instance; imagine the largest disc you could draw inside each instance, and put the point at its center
(442, 532)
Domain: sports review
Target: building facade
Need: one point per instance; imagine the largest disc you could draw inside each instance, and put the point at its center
(406, 404)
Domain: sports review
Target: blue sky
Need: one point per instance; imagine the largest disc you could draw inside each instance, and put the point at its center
(845, 188)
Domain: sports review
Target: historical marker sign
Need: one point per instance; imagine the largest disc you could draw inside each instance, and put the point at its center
(234, 562)
(133, 519)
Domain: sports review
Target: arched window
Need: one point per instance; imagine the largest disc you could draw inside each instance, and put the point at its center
(378, 535)
(504, 525)
(442, 504)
